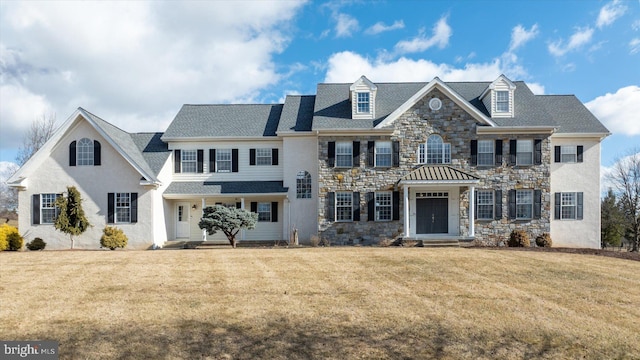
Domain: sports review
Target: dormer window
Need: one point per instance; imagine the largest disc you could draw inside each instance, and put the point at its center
(363, 103)
(502, 101)
(363, 99)
(498, 98)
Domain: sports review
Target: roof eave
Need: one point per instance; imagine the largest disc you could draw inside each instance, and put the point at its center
(186, 195)
(435, 182)
(376, 131)
(213, 138)
(516, 130)
(599, 135)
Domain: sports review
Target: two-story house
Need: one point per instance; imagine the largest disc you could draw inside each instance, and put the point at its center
(355, 163)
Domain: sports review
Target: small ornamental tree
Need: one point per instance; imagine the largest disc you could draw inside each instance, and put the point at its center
(71, 219)
(228, 220)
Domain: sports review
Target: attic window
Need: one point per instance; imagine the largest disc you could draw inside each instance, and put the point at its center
(363, 103)
(502, 101)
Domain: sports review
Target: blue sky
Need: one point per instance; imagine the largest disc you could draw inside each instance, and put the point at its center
(135, 63)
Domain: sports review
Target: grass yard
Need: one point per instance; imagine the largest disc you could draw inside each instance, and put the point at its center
(327, 303)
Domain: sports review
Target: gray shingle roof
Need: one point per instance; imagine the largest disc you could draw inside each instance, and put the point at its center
(155, 151)
(225, 187)
(571, 115)
(297, 113)
(225, 121)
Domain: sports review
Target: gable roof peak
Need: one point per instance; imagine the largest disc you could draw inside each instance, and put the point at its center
(363, 81)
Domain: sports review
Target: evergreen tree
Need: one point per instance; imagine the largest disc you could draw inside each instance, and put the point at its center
(71, 219)
(612, 220)
(227, 220)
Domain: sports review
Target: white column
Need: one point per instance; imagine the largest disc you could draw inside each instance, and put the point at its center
(406, 211)
(242, 231)
(204, 232)
(472, 208)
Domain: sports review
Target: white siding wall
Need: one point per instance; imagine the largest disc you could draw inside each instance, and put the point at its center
(501, 86)
(577, 177)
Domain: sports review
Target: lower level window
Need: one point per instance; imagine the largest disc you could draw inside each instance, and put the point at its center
(524, 204)
(48, 210)
(568, 210)
(123, 207)
(344, 206)
(383, 206)
(264, 211)
(485, 205)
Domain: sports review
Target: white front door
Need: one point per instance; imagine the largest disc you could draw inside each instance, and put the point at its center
(182, 221)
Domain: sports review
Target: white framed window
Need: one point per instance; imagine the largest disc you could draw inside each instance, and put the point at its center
(189, 161)
(344, 154)
(524, 204)
(486, 152)
(363, 105)
(524, 152)
(502, 101)
(485, 204)
(303, 185)
(263, 157)
(84, 152)
(568, 154)
(568, 206)
(383, 154)
(264, 211)
(123, 207)
(223, 160)
(48, 209)
(437, 151)
(344, 206)
(383, 206)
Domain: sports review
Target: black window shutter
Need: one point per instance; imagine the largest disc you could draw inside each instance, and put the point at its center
(234, 160)
(274, 156)
(498, 205)
(134, 207)
(331, 154)
(396, 205)
(356, 206)
(238, 205)
(556, 154)
(537, 204)
(371, 206)
(274, 211)
(35, 208)
(499, 152)
(371, 149)
(177, 159)
(579, 208)
(474, 152)
(557, 205)
(579, 151)
(512, 204)
(330, 213)
(537, 149)
(356, 153)
(111, 208)
(212, 160)
(200, 161)
(513, 148)
(72, 154)
(96, 153)
(252, 156)
(254, 207)
(475, 201)
(396, 153)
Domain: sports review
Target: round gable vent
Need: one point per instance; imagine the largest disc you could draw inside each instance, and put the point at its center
(435, 104)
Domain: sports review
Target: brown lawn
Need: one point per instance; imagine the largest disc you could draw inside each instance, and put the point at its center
(323, 303)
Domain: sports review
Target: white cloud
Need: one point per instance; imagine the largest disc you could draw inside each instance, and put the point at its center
(610, 13)
(346, 25)
(18, 110)
(380, 27)
(536, 88)
(619, 111)
(520, 36)
(634, 46)
(440, 37)
(581, 37)
(636, 25)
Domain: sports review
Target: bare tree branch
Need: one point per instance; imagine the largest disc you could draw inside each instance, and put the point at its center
(40, 131)
(625, 178)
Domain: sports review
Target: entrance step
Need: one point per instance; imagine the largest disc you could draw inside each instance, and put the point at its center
(430, 242)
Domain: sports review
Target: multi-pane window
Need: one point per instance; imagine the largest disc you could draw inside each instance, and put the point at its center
(485, 152)
(524, 152)
(568, 154)
(264, 211)
(303, 185)
(568, 205)
(524, 204)
(223, 160)
(438, 152)
(502, 101)
(344, 206)
(48, 210)
(383, 206)
(85, 152)
(189, 161)
(344, 154)
(123, 207)
(383, 153)
(485, 204)
(263, 156)
(363, 103)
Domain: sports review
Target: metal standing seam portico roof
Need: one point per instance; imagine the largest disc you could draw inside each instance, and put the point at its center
(439, 174)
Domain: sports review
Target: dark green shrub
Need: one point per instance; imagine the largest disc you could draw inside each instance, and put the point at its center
(519, 238)
(36, 244)
(544, 240)
(113, 238)
(15, 241)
